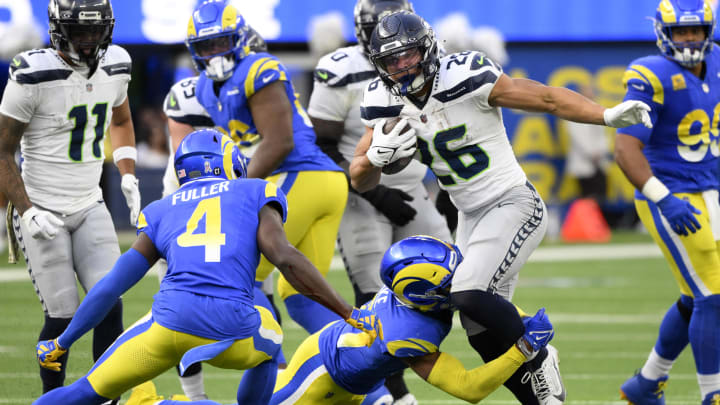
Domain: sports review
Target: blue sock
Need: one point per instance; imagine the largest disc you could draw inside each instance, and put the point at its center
(308, 313)
(80, 392)
(673, 337)
(705, 335)
(257, 384)
(262, 300)
(373, 397)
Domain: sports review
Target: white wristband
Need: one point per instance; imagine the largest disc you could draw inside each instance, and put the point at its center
(654, 190)
(125, 152)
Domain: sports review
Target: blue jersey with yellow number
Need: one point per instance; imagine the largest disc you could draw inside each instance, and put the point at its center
(407, 333)
(682, 147)
(207, 232)
(231, 112)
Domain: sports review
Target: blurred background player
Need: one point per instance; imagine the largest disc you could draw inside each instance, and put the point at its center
(250, 96)
(674, 168)
(453, 106)
(377, 218)
(334, 366)
(211, 232)
(185, 115)
(57, 106)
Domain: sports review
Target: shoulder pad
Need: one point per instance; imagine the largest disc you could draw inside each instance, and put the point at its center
(38, 66)
(650, 74)
(464, 72)
(379, 103)
(259, 69)
(181, 104)
(116, 61)
(343, 67)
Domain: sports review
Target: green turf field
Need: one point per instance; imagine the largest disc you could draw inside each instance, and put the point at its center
(606, 312)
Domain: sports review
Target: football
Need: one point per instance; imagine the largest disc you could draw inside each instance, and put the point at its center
(401, 163)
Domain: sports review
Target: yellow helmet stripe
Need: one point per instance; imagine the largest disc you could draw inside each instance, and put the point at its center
(191, 30)
(667, 12)
(707, 8)
(229, 17)
(227, 148)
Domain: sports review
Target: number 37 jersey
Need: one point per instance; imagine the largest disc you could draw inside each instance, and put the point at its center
(67, 116)
(682, 147)
(460, 136)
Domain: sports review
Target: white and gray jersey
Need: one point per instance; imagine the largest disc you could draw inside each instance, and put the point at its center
(68, 115)
(182, 106)
(340, 79)
(461, 137)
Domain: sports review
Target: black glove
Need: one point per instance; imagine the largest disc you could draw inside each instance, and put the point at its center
(446, 208)
(391, 202)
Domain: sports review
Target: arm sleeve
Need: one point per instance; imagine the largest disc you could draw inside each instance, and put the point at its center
(643, 85)
(450, 375)
(18, 102)
(130, 267)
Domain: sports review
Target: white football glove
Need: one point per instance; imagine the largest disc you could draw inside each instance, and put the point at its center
(628, 113)
(129, 187)
(387, 148)
(41, 224)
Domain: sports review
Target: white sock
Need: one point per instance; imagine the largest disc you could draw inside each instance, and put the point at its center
(708, 383)
(656, 366)
(193, 387)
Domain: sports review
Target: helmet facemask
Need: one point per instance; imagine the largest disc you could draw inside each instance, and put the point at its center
(400, 74)
(216, 55)
(83, 37)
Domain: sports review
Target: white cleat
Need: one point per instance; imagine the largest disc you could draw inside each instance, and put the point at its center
(407, 399)
(546, 381)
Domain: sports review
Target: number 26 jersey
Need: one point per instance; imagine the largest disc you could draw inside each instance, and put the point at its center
(460, 136)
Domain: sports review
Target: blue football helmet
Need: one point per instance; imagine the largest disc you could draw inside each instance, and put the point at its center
(684, 13)
(419, 270)
(217, 38)
(208, 153)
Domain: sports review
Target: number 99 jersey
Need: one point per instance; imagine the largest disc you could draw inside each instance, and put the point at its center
(461, 137)
(682, 147)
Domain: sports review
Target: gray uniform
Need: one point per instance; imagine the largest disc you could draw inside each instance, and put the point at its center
(365, 233)
(462, 138)
(62, 150)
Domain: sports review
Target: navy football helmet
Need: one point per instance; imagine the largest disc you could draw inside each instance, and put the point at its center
(217, 38)
(684, 13)
(208, 153)
(419, 271)
(81, 29)
(400, 37)
(367, 14)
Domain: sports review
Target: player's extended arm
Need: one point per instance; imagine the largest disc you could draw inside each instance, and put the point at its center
(11, 183)
(447, 373)
(130, 267)
(303, 275)
(363, 174)
(273, 118)
(529, 95)
(178, 131)
(629, 156)
(122, 140)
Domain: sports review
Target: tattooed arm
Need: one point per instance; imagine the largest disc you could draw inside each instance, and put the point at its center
(11, 184)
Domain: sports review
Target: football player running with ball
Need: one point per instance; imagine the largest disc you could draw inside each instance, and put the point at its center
(395, 208)
(57, 106)
(674, 167)
(453, 105)
(211, 231)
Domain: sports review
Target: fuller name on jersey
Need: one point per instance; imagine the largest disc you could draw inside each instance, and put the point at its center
(68, 115)
(340, 79)
(230, 111)
(682, 147)
(461, 137)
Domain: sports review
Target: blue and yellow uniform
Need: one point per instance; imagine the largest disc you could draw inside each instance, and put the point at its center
(682, 149)
(204, 310)
(315, 186)
(334, 366)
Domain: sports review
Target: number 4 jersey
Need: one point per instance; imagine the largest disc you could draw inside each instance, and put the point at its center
(682, 146)
(460, 136)
(67, 116)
